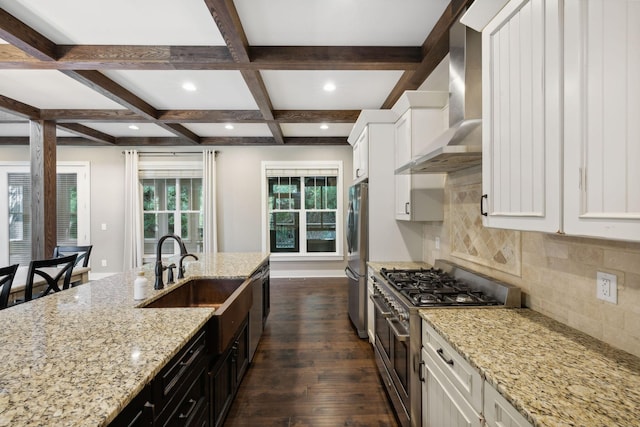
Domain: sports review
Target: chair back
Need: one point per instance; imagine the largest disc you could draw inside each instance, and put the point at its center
(6, 280)
(83, 252)
(63, 271)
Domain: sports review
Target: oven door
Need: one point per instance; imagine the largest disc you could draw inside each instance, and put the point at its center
(392, 352)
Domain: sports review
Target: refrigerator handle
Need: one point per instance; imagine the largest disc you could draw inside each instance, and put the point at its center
(351, 274)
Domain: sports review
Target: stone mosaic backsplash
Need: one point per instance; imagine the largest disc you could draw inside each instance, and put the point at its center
(491, 247)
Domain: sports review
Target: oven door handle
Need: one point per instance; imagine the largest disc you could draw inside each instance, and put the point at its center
(400, 336)
(383, 311)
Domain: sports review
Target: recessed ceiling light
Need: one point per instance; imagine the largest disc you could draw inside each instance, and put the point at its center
(133, 127)
(228, 126)
(329, 87)
(188, 86)
(324, 126)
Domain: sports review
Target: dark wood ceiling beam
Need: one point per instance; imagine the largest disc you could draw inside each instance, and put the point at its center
(72, 115)
(87, 132)
(434, 50)
(18, 108)
(211, 116)
(316, 116)
(168, 141)
(201, 116)
(146, 57)
(26, 38)
(107, 87)
(225, 15)
(259, 91)
(110, 57)
(334, 57)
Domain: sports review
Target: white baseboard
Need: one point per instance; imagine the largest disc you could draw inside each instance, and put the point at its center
(284, 274)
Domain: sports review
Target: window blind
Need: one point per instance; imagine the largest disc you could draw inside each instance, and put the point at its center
(19, 218)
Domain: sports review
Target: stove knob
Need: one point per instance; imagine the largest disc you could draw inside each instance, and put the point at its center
(404, 316)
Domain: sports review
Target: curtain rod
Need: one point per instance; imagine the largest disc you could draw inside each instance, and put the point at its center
(171, 153)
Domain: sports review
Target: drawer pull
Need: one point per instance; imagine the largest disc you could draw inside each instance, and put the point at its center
(441, 354)
(192, 404)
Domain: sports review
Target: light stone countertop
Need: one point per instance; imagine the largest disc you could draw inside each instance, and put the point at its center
(78, 357)
(553, 374)
(377, 265)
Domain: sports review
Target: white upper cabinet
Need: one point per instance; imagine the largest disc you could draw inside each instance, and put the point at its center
(361, 157)
(522, 133)
(602, 118)
(418, 197)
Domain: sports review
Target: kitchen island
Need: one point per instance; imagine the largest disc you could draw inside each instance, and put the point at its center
(550, 373)
(78, 357)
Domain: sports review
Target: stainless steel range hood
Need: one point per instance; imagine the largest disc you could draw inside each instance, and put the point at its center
(460, 146)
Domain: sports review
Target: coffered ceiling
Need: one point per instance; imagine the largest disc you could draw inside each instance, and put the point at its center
(114, 72)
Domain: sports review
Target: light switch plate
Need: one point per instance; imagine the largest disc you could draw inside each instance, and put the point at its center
(607, 287)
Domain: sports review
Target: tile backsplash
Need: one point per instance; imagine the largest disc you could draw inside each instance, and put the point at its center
(556, 273)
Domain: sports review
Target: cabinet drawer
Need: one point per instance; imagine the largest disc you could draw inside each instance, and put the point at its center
(443, 404)
(498, 412)
(193, 404)
(462, 375)
(179, 370)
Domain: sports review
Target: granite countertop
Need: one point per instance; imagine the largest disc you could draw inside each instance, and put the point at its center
(377, 265)
(553, 374)
(79, 356)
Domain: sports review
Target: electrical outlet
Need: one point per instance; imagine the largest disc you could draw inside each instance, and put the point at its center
(437, 243)
(607, 287)
(103, 226)
(104, 262)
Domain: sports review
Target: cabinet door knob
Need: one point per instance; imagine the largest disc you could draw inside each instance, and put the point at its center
(482, 199)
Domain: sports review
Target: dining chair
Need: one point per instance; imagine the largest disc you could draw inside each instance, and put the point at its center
(83, 252)
(64, 269)
(6, 280)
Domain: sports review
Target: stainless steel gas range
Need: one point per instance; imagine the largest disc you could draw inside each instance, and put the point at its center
(398, 296)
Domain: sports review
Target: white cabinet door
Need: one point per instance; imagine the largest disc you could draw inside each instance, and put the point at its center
(442, 405)
(602, 125)
(522, 93)
(361, 156)
(498, 412)
(417, 197)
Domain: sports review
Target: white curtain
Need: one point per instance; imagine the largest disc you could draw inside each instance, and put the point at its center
(210, 244)
(133, 249)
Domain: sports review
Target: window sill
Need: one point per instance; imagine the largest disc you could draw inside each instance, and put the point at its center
(275, 257)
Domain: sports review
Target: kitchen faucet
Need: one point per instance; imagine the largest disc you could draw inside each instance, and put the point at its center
(159, 284)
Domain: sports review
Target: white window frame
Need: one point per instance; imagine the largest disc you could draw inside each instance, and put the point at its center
(82, 169)
(177, 169)
(303, 255)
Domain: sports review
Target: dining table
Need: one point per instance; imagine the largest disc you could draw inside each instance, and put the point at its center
(79, 274)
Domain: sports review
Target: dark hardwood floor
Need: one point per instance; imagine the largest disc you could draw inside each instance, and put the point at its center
(310, 368)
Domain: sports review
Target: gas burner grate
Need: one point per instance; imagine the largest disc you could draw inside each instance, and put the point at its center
(434, 287)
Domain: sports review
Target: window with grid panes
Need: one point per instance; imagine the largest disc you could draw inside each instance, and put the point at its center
(171, 204)
(304, 204)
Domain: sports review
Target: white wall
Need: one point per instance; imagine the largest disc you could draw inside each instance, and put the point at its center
(239, 197)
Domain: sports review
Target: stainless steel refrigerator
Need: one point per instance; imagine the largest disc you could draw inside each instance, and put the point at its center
(357, 244)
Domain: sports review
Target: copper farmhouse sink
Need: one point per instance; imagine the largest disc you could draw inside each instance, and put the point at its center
(198, 293)
(231, 298)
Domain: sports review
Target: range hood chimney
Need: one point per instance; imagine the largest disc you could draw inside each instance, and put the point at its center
(460, 146)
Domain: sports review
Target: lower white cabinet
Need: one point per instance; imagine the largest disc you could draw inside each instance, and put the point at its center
(498, 412)
(454, 393)
(442, 404)
(451, 387)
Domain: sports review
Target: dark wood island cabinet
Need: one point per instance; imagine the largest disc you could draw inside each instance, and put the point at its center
(198, 385)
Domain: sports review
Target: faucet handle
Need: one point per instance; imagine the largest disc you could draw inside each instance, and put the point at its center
(170, 267)
(181, 268)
